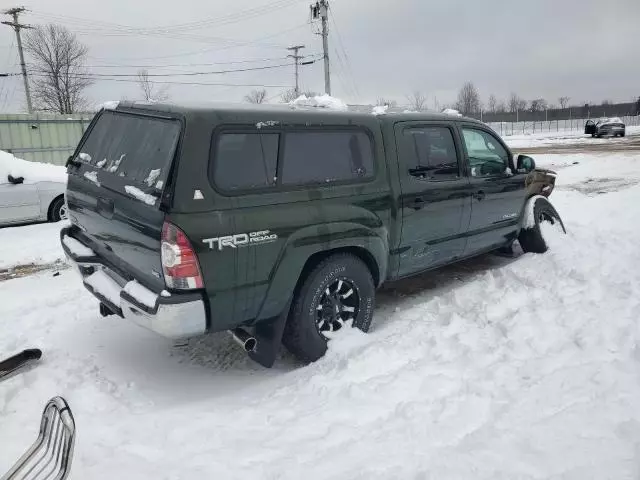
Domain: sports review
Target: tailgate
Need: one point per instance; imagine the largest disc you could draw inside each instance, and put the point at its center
(117, 178)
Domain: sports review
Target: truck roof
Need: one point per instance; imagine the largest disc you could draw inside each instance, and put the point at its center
(263, 110)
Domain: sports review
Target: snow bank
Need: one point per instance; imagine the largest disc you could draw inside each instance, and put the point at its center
(324, 101)
(380, 109)
(109, 105)
(32, 172)
(140, 195)
(451, 111)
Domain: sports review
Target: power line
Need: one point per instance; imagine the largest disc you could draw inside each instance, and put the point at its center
(9, 97)
(188, 74)
(341, 73)
(206, 50)
(2, 86)
(232, 18)
(233, 62)
(169, 82)
(347, 60)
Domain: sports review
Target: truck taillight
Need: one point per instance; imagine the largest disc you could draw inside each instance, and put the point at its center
(179, 261)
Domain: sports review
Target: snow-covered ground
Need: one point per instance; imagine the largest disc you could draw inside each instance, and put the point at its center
(30, 244)
(496, 368)
(542, 139)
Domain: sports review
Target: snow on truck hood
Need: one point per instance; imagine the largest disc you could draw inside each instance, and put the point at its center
(33, 172)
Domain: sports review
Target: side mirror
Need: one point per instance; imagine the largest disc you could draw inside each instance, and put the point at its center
(525, 164)
(15, 180)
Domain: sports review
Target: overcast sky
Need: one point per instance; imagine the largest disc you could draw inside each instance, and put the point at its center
(536, 48)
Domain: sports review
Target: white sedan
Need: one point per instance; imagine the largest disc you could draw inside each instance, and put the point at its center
(30, 191)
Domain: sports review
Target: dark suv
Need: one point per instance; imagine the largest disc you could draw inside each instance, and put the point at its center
(278, 224)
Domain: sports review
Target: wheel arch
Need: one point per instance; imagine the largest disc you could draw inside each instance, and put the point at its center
(301, 256)
(362, 253)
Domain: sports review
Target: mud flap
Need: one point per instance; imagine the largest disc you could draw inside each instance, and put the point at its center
(269, 335)
(19, 363)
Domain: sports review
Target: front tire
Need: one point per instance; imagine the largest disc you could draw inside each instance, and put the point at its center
(338, 291)
(58, 210)
(531, 239)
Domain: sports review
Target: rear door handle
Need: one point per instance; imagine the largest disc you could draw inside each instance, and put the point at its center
(417, 203)
(479, 195)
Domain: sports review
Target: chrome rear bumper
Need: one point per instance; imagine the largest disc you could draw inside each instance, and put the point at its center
(172, 315)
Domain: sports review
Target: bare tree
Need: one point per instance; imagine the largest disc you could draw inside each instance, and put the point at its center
(256, 96)
(288, 95)
(58, 60)
(492, 104)
(538, 105)
(291, 95)
(563, 101)
(501, 107)
(385, 102)
(417, 101)
(516, 104)
(606, 102)
(468, 99)
(149, 91)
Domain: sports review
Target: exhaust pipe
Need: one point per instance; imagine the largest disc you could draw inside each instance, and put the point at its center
(247, 341)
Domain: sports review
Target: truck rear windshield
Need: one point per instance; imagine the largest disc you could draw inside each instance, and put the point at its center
(138, 149)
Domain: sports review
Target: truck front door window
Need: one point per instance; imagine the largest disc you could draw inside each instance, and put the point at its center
(487, 157)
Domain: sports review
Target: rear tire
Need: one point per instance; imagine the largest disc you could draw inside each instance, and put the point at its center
(58, 210)
(338, 290)
(531, 239)
(622, 134)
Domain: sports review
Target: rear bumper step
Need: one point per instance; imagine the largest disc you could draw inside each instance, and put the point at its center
(175, 316)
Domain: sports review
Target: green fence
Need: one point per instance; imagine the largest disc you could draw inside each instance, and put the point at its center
(42, 137)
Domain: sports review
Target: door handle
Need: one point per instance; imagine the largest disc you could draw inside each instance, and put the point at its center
(417, 203)
(479, 195)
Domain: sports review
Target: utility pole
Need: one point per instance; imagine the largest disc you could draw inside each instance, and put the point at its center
(296, 59)
(17, 26)
(321, 10)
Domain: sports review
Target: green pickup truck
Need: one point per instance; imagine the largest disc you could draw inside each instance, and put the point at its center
(278, 223)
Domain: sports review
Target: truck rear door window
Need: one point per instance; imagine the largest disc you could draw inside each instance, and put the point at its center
(138, 149)
(432, 152)
(326, 157)
(245, 160)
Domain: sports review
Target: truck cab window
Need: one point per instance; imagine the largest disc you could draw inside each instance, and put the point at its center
(487, 157)
(431, 153)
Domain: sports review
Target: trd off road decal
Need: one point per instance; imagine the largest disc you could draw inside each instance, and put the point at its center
(241, 240)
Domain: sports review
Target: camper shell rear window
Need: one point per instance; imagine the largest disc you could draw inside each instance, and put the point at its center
(131, 149)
